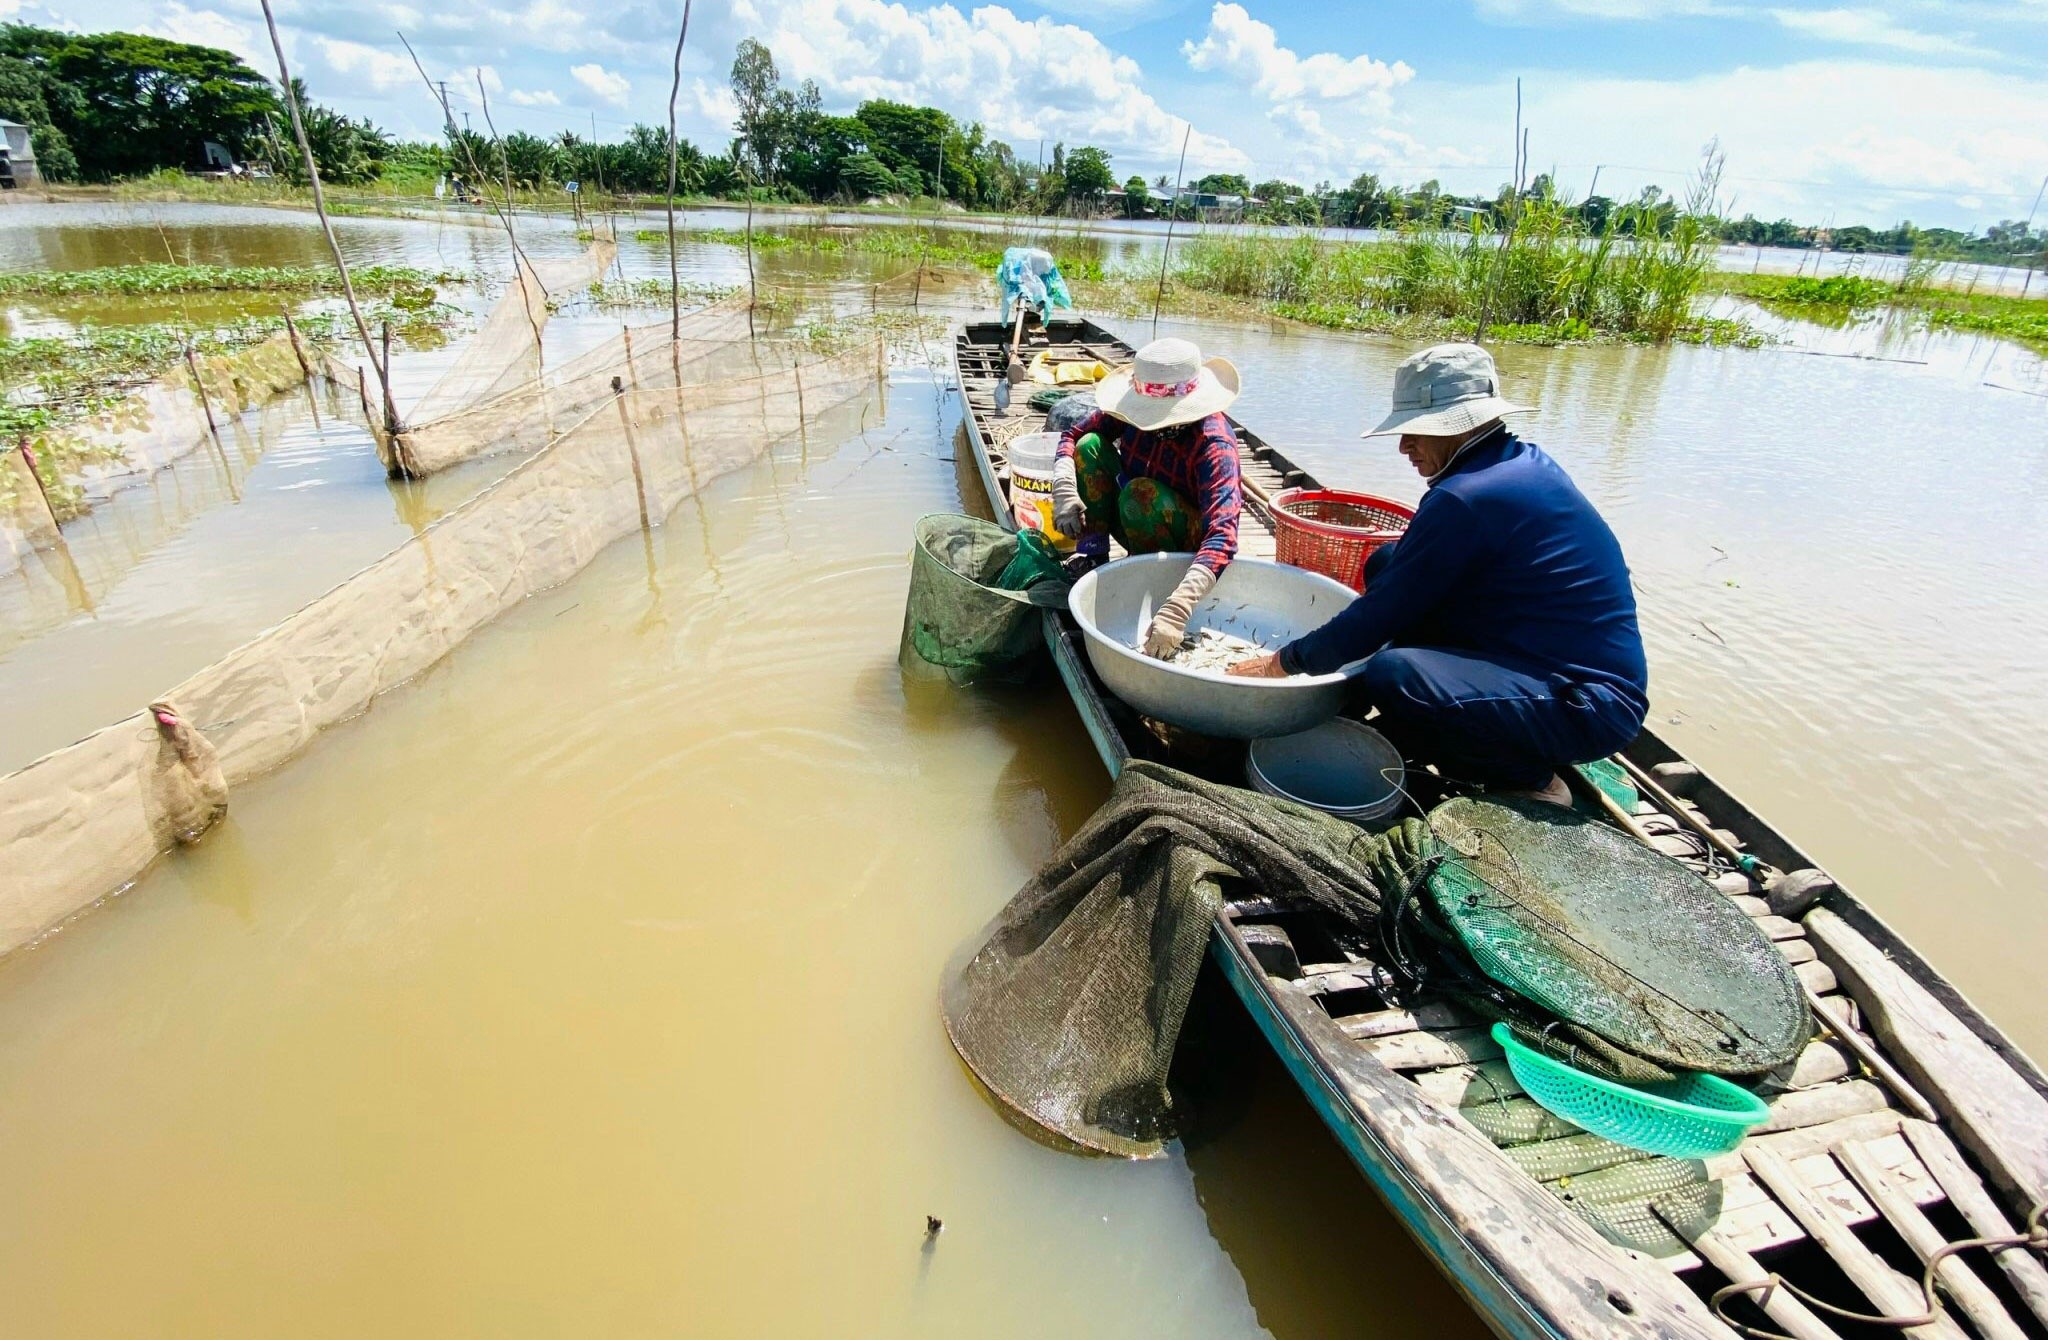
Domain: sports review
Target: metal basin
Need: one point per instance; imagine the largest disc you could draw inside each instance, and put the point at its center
(1263, 602)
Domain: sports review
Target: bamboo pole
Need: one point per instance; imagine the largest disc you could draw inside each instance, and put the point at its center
(390, 409)
(917, 289)
(1514, 218)
(205, 401)
(522, 268)
(28, 458)
(298, 350)
(675, 292)
(348, 288)
(753, 291)
(1172, 217)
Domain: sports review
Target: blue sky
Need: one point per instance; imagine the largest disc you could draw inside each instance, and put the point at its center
(1933, 110)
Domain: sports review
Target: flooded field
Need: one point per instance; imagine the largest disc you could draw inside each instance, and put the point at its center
(587, 985)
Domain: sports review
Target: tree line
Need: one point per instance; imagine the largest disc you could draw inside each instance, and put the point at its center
(102, 106)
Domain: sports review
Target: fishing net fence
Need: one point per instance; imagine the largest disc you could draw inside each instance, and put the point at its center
(84, 821)
(501, 396)
(506, 351)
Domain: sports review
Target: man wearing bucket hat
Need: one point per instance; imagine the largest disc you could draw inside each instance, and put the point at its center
(1155, 466)
(1501, 626)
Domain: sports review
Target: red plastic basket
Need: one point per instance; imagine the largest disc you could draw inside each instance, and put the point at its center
(1334, 532)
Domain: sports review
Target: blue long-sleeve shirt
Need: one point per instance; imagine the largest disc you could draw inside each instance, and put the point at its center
(1504, 557)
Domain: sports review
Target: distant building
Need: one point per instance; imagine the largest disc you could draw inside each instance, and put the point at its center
(18, 166)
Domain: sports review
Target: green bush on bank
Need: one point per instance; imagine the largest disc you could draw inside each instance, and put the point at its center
(1547, 279)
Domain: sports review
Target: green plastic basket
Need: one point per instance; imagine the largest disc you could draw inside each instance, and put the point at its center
(1687, 1118)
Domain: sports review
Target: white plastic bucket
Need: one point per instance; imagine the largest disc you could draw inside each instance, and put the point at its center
(1343, 767)
(1032, 457)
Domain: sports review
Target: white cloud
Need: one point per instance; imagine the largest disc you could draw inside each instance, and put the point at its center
(372, 67)
(1519, 11)
(606, 84)
(715, 103)
(1329, 111)
(1870, 27)
(1862, 140)
(520, 97)
(208, 28)
(1244, 47)
(1022, 79)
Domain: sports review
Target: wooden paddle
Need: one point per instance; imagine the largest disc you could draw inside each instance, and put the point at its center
(1015, 372)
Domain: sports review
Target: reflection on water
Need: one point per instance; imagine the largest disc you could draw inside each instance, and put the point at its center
(588, 986)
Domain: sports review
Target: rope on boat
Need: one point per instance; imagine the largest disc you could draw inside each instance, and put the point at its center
(2034, 1239)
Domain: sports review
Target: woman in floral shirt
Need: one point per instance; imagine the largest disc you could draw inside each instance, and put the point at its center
(1156, 467)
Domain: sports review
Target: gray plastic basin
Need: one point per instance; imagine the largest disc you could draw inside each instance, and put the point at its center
(1264, 602)
(1341, 767)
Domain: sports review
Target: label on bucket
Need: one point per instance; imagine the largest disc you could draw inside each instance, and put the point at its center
(1031, 504)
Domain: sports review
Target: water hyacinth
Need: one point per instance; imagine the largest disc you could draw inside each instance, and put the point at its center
(145, 280)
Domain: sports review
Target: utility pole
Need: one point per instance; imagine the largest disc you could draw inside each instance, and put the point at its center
(448, 118)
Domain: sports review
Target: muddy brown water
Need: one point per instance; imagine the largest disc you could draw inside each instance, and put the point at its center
(588, 984)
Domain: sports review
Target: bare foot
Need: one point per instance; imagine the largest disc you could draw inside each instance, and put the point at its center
(1553, 793)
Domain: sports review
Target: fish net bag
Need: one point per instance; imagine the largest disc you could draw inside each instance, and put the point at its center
(1069, 1004)
(976, 590)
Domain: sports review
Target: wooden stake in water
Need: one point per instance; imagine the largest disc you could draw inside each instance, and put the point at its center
(675, 290)
(753, 292)
(28, 458)
(291, 329)
(348, 288)
(1172, 216)
(917, 289)
(205, 401)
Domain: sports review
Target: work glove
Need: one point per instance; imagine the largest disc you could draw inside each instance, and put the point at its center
(1067, 516)
(1170, 624)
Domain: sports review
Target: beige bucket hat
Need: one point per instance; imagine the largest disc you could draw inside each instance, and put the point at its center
(1445, 390)
(1168, 383)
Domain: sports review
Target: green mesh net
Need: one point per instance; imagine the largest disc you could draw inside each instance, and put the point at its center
(1600, 931)
(975, 595)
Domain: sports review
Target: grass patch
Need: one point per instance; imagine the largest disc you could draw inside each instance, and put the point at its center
(1838, 299)
(899, 243)
(49, 382)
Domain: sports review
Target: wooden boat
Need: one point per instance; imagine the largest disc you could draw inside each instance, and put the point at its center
(1910, 1121)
